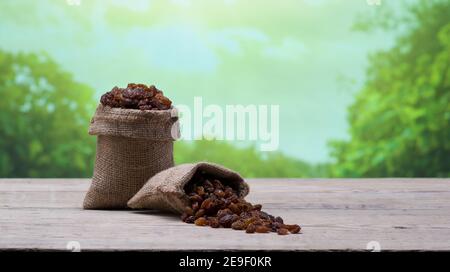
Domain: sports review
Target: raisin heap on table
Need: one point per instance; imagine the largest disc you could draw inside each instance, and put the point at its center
(136, 96)
(215, 204)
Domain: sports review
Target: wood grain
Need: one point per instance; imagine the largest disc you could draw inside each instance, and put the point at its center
(335, 214)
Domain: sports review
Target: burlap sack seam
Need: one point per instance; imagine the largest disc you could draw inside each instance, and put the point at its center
(124, 118)
(113, 114)
(153, 125)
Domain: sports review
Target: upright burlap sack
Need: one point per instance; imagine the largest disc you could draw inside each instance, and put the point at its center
(165, 191)
(132, 146)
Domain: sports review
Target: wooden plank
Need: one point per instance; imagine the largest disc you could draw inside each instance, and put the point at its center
(335, 214)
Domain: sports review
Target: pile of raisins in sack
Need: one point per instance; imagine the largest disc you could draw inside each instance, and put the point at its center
(217, 205)
(136, 96)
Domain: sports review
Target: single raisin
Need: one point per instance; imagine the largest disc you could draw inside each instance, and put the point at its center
(207, 204)
(195, 206)
(262, 229)
(200, 190)
(219, 193)
(293, 228)
(200, 213)
(184, 216)
(282, 231)
(238, 225)
(195, 198)
(279, 220)
(234, 208)
(224, 212)
(226, 220)
(251, 229)
(214, 222)
(201, 221)
(190, 219)
(257, 207)
(188, 210)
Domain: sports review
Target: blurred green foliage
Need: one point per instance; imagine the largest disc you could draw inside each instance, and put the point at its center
(400, 121)
(248, 160)
(44, 119)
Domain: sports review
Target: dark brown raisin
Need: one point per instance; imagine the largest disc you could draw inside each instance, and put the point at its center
(207, 204)
(251, 229)
(200, 190)
(226, 220)
(257, 207)
(282, 231)
(200, 213)
(190, 219)
(233, 198)
(279, 220)
(195, 206)
(201, 221)
(224, 212)
(208, 186)
(234, 208)
(217, 184)
(249, 220)
(184, 216)
(214, 222)
(238, 225)
(188, 211)
(262, 229)
(195, 198)
(219, 193)
(293, 228)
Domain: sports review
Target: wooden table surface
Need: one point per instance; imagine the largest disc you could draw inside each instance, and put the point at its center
(335, 214)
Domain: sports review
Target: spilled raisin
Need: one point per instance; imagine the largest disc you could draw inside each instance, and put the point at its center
(262, 229)
(250, 229)
(293, 228)
(189, 219)
(201, 221)
(214, 222)
(217, 204)
(238, 225)
(282, 231)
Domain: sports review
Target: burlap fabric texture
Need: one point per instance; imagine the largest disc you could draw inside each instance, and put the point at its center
(165, 191)
(132, 146)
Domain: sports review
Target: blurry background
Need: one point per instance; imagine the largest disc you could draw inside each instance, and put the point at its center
(363, 85)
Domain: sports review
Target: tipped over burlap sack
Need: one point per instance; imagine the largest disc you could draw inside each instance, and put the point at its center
(165, 191)
(132, 146)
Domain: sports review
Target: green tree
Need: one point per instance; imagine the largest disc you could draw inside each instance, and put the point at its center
(399, 123)
(44, 119)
